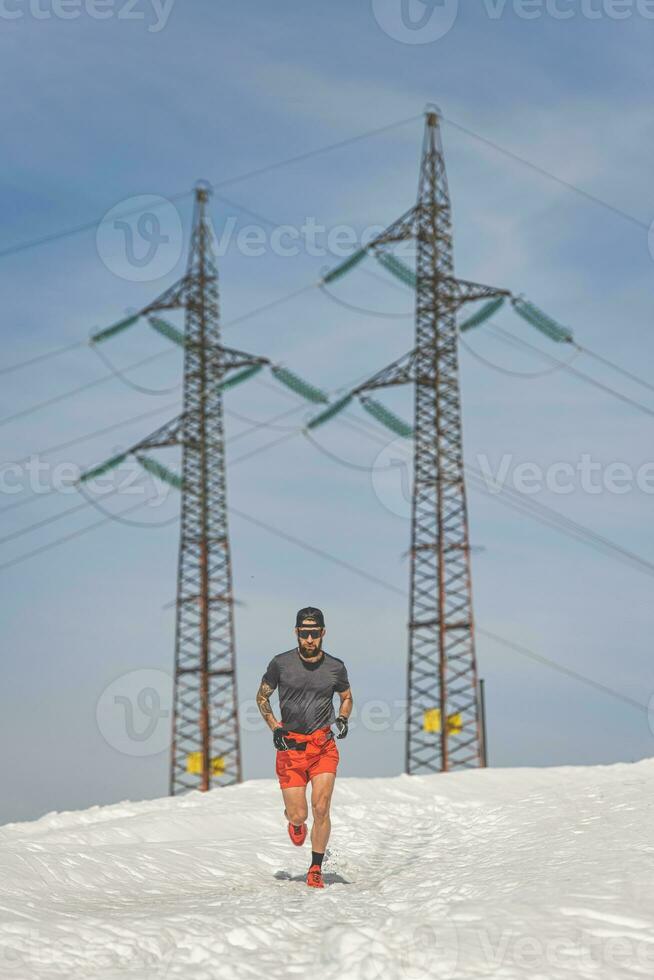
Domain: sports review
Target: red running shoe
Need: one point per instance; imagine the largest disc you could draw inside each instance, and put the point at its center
(314, 877)
(297, 836)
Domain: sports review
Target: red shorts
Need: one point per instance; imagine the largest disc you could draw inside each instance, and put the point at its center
(296, 767)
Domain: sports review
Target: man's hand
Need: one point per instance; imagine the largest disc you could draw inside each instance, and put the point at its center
(341, 724)
(279, 738)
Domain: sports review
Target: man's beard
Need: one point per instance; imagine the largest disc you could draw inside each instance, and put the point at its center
(311, 654)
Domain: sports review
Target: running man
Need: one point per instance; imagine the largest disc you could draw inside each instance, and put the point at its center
(307, 678)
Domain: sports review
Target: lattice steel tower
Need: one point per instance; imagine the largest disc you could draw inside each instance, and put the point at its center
(205, 749)
(205, 702)
(442, 664)
(444, 730)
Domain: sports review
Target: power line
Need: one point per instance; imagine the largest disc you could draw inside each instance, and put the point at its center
(70, 393)
(43, 357)
(320, 552)
(547, 173)
(557, 363)
(355, 570)
(536, 510)
(43, 523)
(300, 157)
(361, 309)
(554, 519)
(65, 539)
(63, 396)
(375, 580)
(89, 435)
(253, 427)
(522, 375)
(616, 367)
(286, 162)
(120, 376)
(259, 171)
(90, 225)
(65, 445)
(561, 668)
(607, 389)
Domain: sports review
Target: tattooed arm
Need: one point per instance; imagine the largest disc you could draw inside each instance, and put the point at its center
(263, 701)
(345, 709)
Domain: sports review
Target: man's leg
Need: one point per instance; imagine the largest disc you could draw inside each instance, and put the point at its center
(295, 801)
(322, 787)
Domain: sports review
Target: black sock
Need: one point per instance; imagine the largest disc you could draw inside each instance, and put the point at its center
(316, 858)
(297, 827)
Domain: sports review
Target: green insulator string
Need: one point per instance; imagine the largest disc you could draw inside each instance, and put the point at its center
(162, 472)
(397, 268)
(299, 385)
(345, 267)
(167, 330)
(541, 321)
(239, 377)
(387, 418)
(109, 464)
(329, 413)
(102, 335)
(485, 313)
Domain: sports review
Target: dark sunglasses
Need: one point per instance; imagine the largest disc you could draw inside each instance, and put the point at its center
(314, 634)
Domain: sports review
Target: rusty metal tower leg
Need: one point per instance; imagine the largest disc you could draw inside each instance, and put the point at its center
(205, 746)
(442, 670)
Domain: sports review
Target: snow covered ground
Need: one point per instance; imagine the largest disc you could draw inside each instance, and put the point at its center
(526, 873)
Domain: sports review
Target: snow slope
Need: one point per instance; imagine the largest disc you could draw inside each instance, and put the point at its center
(526, 873)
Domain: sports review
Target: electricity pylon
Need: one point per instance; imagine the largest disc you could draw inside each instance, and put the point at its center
(205, 713)
(444, 726)
(205, 748)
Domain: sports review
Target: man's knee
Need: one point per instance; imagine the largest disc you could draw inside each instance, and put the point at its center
(320, 809)
(297, 813)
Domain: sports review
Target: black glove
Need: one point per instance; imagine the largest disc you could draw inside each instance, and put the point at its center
(341, 724)
(279, 738)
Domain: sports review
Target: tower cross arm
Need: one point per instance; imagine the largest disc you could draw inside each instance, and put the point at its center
(399, 231)
(229, 358)
(169, 434)
(469, 292)
(400, 372)
(173, 298)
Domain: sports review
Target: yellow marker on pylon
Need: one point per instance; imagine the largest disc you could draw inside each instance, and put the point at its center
(432, 722)
(194, 764)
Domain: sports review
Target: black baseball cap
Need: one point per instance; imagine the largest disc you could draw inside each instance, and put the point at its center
(310, 612)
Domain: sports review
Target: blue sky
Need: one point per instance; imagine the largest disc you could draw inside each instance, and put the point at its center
(99, 112)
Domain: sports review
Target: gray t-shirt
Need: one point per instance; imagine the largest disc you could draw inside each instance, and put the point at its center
(306, 690)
